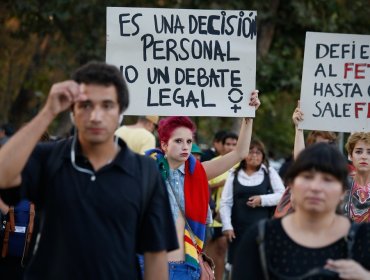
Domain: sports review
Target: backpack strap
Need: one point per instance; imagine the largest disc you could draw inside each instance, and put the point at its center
(11, 219)
(351, 237)
(9, 227)
(29, 229)
(4, 250)
(269, 188)
(261, 247)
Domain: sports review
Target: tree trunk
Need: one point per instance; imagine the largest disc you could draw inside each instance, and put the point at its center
(27, 103)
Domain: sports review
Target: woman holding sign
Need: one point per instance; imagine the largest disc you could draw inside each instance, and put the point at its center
(187, 184)
(284, 206)
(313, 137)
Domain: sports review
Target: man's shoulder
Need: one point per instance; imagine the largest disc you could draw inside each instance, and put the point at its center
(138, 161)
(51, 147)
(146, 159)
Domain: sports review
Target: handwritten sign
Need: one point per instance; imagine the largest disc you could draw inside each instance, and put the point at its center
(335, 91)
(184, 62)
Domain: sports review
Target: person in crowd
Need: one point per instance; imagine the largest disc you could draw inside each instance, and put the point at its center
(284, 206)
(139, 137)
(6, 131)
(285, 166)
(249, 194)
(314, 136)
(274, 161)
(196, 151)
(187, 185)
(312, 242)
(216, 148)
(96, 211)
(358, 198)
(4, 209)
(216, 245)
(19, 240)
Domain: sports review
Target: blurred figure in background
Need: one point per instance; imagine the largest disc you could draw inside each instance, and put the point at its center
(139, 137)
(196, 151)
(6, 131)
(216, 148)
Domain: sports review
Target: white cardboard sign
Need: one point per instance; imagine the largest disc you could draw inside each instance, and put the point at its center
(184, 62)
(335, 91)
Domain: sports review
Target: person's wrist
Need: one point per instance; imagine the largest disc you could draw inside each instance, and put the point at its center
(247, 120)
(48, 113)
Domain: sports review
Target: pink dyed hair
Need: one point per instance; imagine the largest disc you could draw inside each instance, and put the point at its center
(167, 125)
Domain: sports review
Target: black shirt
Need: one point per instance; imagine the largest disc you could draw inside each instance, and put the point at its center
(287, 258)
(208, 155)
(90, 226)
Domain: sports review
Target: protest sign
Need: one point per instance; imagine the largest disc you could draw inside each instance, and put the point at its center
(184, 62)
(335, 91)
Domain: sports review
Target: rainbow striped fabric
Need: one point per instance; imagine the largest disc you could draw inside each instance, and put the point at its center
(196, 194)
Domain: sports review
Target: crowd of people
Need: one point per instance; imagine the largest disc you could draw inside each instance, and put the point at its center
(111, 202)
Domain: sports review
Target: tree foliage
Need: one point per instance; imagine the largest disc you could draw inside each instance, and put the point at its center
(43, 41)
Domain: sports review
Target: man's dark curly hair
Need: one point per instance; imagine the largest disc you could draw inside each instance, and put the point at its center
(101, 73)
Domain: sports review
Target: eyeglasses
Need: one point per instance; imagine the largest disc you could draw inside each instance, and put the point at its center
(257, 153)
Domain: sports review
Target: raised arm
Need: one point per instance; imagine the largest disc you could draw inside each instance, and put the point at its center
(299, 137)
(218, 166)
(15, 153)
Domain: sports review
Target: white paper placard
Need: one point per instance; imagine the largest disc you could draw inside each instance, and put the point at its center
(184, 62)
(335, 91)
